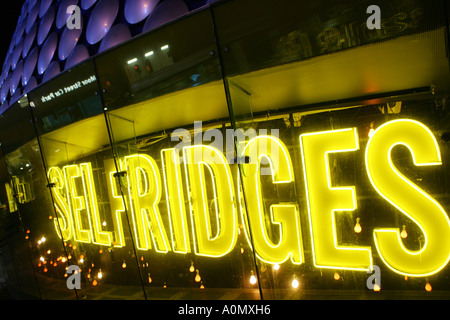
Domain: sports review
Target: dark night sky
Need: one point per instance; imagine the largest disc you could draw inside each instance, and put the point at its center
(9, 14)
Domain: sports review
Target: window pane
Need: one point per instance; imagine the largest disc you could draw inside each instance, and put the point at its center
(164, 92)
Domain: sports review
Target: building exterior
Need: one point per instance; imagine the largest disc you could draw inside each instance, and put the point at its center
(236, 149)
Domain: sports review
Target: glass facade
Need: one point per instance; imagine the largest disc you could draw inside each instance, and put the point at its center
(248, 150)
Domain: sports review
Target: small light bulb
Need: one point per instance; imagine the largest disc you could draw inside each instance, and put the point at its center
(276, 267)
(357, 228)
(149, 279)
(197, 277)
(124, 265)
(376, 287)
(295, 283)
(191, 268)
(94, 283)
(252, 279)
(336, 276)
(100, 274)
(404, 234)
(428, 286)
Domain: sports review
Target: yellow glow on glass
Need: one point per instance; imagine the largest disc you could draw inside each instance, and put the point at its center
(63, 224)
(117, 203)
(144, 188)
(175, 200)
(197, 159)
(100, 237)
(408, 198)
(324, 200)
(77, 204)
(284, 216)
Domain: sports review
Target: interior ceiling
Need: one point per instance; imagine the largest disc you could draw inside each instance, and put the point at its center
(406, 62)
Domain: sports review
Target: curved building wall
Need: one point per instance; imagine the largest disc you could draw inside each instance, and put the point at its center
(246, 150)
(53, 36)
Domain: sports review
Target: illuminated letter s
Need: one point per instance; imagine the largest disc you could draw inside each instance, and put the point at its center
(408, 198)
(63, 223)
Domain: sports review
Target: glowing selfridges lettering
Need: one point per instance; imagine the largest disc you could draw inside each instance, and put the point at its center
(117, 201)
(144, 190)
(135, 185)
(81, 220)
(175, 201)
(63, 223)
(407, 197)
(324, 200)
(285, 216)
(197, 160)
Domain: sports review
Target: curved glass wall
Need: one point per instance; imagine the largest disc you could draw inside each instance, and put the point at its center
(270, 150)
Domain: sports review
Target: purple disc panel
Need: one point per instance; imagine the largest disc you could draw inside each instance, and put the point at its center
(47, 52)
(46, 25)
(86, 4)
(102, 19)
(16, 76)
(168, 10)
(45, 5)
(68, 41)
(30, 65)
(52, 71)
(29, 40)
(138, 10)
(79, 54)
(118, 34)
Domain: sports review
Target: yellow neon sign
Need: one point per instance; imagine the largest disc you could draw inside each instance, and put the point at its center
(284, 216)
(175, 201)
(144, 191)
(408, 198)
(210, 227)
(324, 200)
(117, 202)
(100, 237)
(77, 204)
(196, 160)
(63, 223)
